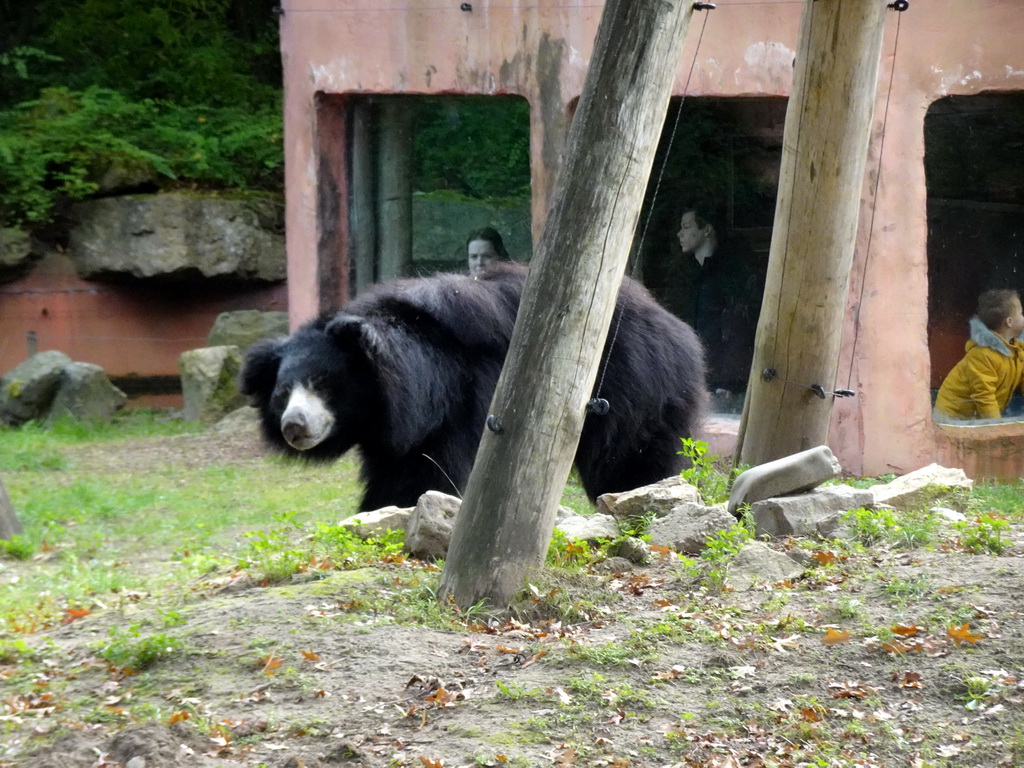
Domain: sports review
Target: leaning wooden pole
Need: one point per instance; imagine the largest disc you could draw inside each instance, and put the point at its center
(828, 124)
(508, 511)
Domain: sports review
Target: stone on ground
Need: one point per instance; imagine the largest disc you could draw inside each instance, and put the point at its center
(791, 474)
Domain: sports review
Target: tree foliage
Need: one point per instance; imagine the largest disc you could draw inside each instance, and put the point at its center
(475, 146)
(173, 90)
(189, 92)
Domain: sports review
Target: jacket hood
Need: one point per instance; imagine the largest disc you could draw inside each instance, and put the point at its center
(983, 336)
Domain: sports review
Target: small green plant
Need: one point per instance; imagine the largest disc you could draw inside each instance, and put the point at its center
(271, 553)
(703, 474)
(566, 552)
(723, 545)
(344, 549)
(720, 549)
(127, 648)
(908, 589)
(871, 526)
(515, 692)
(19, 547)
(980, 691)
(986, 535)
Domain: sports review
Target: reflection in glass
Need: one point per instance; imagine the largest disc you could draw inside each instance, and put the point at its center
(974, 170)
(703, 238)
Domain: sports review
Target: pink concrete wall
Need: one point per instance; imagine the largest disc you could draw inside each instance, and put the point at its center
(130, 328)
(539, 49)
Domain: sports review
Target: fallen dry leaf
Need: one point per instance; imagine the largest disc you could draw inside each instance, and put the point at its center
(784, 644)
(835, 637)
(908, 679)
(72, 614)
(962, 634)
(906, 630)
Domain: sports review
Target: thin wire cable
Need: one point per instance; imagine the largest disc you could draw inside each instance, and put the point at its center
(635, 258)
(874, 204)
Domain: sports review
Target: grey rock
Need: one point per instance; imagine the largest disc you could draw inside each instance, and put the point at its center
(563, 512)
(27, 391)
(244, 327)
(657, 499)
(816, 513)
(244, 419)
(688, 526)
(85, 392)
(118, 174)
(209, 382)
(374, 523)
(790, 474)
(589, 528)
(615, 565)
(178, 235)
(800, 557)
(429, 530)
(16, 254)
(948, 515)
(633, 549)
(924, 487)
(757, 563)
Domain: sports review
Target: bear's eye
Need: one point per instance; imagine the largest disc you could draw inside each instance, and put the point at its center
(279, 399)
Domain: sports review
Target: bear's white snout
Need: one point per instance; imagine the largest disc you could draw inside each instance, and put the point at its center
(307, 420)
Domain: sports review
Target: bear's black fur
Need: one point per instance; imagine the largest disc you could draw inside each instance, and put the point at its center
(408, 370)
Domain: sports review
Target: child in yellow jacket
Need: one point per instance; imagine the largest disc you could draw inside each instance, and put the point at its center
(981, 384)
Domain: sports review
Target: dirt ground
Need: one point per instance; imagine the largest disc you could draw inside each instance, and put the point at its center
(884, 658)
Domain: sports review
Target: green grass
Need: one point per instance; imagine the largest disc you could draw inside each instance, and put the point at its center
(84, 533)
(1001, 499)
(37, 446)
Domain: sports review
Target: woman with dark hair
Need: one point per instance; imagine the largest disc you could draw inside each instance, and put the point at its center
(483, 247)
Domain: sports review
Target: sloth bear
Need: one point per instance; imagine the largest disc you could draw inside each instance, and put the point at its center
(407, 370)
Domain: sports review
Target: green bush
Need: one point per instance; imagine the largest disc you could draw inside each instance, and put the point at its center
(477, 147)
(188, 91)
(56, 146)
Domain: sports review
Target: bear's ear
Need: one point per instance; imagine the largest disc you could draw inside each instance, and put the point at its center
(353, 329)
(259, 369)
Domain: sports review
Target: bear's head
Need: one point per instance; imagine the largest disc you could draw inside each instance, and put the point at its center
(316, 390)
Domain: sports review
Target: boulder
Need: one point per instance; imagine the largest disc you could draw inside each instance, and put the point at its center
(244, 419)
(16, 254)
(118, 173)
(209, 383)
(85, 393)
(368, 525)
(589, 528)
(631, 548)
(757, 563)
(245, 327)
(429, 530)
(179, 235)
(27, 391)
(815, 513)
(657, 499)
(687, 527)
(924, 487)
(791, 474)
